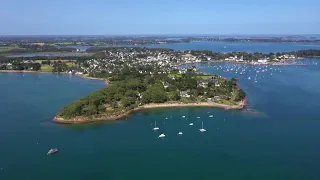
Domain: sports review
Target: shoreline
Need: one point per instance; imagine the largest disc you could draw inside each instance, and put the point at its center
(79, 75)
(93, 78)
(23, 71)
(104, 117)
(249, 63)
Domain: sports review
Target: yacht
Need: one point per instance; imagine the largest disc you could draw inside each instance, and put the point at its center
(155, 126)
(202, 130)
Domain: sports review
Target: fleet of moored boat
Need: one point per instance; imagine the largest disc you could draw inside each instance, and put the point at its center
(180, 133)
(241, 69)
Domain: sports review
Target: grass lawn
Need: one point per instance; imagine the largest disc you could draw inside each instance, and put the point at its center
(69, 64)
(205, 77)
(174, 75)
(46, 68)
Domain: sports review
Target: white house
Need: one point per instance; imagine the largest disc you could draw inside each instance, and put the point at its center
(262, 61)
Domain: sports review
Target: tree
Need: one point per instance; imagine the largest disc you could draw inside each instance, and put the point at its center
(176, 96)
(130, 93)
(146, 97)
(200, 90)
(155, 93)
(240, 95)
(127, 101)
(171, 88)
(210, 84)
(234, 81)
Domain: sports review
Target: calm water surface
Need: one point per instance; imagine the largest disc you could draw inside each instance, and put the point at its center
(238, 46)
(231, 46)
(279, 141)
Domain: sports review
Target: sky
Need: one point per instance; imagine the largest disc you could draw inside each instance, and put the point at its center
(159, 17)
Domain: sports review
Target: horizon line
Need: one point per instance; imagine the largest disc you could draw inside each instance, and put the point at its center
(280, 34)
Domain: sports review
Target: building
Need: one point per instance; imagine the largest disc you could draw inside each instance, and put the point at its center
(184, 94)
(107, 107)
(263, 61)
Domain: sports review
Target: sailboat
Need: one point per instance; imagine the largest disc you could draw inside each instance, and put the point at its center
(155, 126)
(202, 130)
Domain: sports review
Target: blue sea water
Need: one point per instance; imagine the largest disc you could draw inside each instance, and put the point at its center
(238, 46)
(231, 46)
(279, 140)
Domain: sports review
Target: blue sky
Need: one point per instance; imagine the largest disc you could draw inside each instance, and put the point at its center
(148, 17)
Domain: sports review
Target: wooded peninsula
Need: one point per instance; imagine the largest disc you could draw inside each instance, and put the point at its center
(131, 90)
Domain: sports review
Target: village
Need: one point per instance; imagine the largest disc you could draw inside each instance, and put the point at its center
(165, 60)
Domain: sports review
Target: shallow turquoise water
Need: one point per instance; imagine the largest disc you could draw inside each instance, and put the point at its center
(279, 141)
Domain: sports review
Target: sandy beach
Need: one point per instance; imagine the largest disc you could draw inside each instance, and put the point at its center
(105, 117)
(93, 78)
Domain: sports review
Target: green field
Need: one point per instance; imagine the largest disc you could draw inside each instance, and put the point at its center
(8, 48)
(48, 68)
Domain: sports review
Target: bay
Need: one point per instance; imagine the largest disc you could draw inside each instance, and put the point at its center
(251, 47)
(279, 140)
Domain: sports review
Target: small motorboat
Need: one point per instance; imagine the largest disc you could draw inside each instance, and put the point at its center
(52, 151)
(211, 116)
(191, 124)
(162, 136)
(180, 133)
